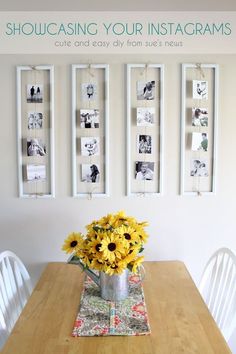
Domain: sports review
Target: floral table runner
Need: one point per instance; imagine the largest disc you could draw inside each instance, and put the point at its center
(98, 317)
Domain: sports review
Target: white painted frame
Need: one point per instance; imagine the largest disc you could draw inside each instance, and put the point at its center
(128, 127)
(76, 67)
(19, 69)
(215, 67)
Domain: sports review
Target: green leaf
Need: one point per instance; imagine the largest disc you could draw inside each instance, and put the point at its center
(97, 228)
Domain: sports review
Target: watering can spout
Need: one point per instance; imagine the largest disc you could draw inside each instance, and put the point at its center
(76, 260)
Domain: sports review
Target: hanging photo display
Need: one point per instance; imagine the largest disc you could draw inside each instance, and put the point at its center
(199, 128)
(35, 131)
(145, 121)
(90, 130)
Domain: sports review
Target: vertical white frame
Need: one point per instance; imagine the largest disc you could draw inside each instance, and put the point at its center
(128, 125)
(215, 127)
(76, 67)
(19, 70)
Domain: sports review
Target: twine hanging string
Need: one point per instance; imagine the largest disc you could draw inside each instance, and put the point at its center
(33, 134)
(200, 75)
(89, 70)
(90, 188)
(144, 73)
(199, 68)
(90, 76)
(91, 191)
(90, 196)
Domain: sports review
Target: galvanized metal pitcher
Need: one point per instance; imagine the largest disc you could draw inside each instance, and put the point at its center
(112, 287)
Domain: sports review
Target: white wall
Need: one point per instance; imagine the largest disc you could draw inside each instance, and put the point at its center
(184, 228)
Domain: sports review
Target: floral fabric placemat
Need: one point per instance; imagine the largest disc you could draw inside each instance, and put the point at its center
(98, 317)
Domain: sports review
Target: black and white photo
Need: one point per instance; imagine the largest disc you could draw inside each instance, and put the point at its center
(34, 93)
(145, 116)
(144, 171)
(35, 120)
(200, 90)
(199, 117)
(35, 147)
(89, 91)
(90, 173)
(199, 168)
(144, 144)
(145, 90)
(199, 141)
(90, 146)
(89, 118)
(35, 172)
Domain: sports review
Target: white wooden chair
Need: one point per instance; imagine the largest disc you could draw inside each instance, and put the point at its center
(218, 289)
(15, 288)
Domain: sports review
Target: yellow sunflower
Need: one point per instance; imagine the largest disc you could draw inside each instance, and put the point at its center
(106, 222)
(143, 236)
(131, 255)
(73, 242)
(91, 227)
(85, 258)
(115, 268)
(113, 246)
(136, 263)
(120, 219)
(91, 234)
(129, 234)
(94, 245)
(98, 264)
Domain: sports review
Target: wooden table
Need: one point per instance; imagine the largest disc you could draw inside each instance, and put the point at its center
(180, 321)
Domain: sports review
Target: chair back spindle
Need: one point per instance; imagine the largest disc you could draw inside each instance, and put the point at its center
(218, 289)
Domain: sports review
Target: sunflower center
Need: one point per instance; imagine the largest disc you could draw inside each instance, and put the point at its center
(112, 246)
(127, 236)
(114, 266)
(98, 247)
(74, 243)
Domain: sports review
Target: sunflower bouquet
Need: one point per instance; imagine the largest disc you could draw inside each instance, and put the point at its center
(111, 244)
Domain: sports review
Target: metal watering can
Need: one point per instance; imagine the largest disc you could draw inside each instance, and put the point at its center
(112, 287)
